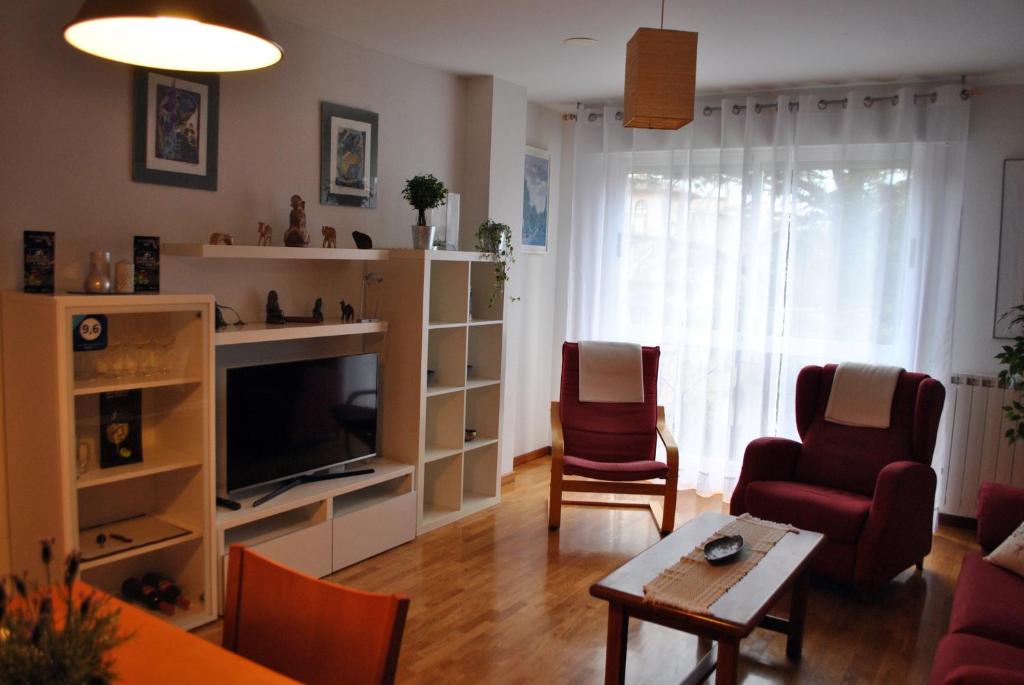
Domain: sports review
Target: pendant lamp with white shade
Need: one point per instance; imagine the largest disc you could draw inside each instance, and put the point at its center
(183, 35)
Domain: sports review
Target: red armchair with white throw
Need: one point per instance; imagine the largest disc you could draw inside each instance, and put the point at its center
(604, 431)
(869, 490)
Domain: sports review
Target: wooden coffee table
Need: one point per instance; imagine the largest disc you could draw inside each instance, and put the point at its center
(733, 617)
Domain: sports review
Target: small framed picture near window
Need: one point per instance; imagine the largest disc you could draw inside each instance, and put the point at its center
(536, 194)
(1010, 283)
(175, 117)
(348, 156)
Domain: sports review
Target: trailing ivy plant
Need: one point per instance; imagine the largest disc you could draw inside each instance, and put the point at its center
(424, 192)
(1012, 376)
(37, 647)
(495, 239)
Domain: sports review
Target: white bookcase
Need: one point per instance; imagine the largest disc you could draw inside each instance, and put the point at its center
(161, 346)
(440, 320)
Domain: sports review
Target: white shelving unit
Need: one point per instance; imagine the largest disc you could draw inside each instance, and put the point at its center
(200, 250)
(438, 308)
(316, 528)
(52, 414)
(265, 332)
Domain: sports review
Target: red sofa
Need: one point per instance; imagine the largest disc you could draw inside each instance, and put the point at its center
(985, 643)
(870, 491)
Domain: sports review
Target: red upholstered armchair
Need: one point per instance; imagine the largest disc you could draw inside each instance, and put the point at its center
(610, 445)
(870, 491)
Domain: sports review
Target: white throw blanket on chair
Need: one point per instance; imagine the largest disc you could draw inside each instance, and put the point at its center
(862, 395)
(611, 372)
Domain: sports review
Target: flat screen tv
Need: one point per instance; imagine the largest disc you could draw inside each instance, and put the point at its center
(295, 418)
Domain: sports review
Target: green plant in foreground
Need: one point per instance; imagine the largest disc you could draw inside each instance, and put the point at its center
(1012, 376)
(495, 239)
(424, 192)
(39, 648)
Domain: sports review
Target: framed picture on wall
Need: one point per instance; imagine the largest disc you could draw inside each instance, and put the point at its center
(536, 193)
(174, 137)
(348, 156)
(1010, 283)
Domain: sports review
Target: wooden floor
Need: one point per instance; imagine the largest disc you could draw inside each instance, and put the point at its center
(497, 598)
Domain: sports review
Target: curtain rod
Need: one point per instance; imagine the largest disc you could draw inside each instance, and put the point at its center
(823, 104)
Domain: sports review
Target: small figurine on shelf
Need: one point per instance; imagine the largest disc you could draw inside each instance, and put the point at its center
(318, 309)
(218, 238)
(347, 312)
(265, 233)
(363, 241)
(297, 235)
(274, 313)
(330, 236)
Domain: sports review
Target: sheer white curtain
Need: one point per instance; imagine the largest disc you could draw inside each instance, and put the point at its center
(764, 237)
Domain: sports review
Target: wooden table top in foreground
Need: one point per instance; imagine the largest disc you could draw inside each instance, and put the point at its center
(161, 654)
(738, 611)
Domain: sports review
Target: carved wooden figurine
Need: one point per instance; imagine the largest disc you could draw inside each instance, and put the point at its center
(297, 235)
(218, 238)
(265, 234)
(274, 313)
(347, 312)
(330, 237)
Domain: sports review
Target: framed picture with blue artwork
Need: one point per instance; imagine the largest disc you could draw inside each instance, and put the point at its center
(536, 196)
(348, 156)
(174, 138)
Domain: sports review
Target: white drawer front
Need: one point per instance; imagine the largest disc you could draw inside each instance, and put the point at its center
(307, 551)
(361, 534)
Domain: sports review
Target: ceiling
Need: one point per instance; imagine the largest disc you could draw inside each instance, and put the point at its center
(743, 45)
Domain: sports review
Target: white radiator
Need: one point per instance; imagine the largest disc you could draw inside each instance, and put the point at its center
(978, 451)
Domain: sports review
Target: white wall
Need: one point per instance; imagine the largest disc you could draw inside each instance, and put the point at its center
(996, 133)
(535, 282)
(66, 158)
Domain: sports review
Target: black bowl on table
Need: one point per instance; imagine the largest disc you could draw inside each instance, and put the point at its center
(724, 550)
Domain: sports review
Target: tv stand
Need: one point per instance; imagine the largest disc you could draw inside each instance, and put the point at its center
(287, 485)
(333, 521)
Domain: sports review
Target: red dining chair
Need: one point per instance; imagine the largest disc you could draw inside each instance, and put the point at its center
(610, 447)
(308, 629)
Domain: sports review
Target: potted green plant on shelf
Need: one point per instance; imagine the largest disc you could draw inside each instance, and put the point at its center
(495, 239)
(57, 633)
(1012, 376)
(424, 192)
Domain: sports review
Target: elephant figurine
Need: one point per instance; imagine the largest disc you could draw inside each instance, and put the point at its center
(218, 238)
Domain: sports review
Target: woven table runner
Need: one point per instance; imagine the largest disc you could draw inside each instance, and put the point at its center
(692, 584)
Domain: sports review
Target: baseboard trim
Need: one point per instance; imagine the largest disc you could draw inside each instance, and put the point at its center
(538, 453)
(508, 479)
(968, 522)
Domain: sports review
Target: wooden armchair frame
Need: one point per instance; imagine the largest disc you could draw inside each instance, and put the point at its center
(560, 484)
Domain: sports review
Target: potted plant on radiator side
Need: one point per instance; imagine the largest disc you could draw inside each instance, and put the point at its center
(1012, 375)
(424, 192)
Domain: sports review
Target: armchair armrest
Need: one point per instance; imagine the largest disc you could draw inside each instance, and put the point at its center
(764, 459)
(1000, 511)
(898, 530)
(557, 440)
(671, 448)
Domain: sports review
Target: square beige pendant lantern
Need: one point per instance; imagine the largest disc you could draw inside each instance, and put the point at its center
(661, 72)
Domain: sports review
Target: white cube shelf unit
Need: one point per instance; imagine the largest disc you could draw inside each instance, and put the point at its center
(162, 506)
(442, 377)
